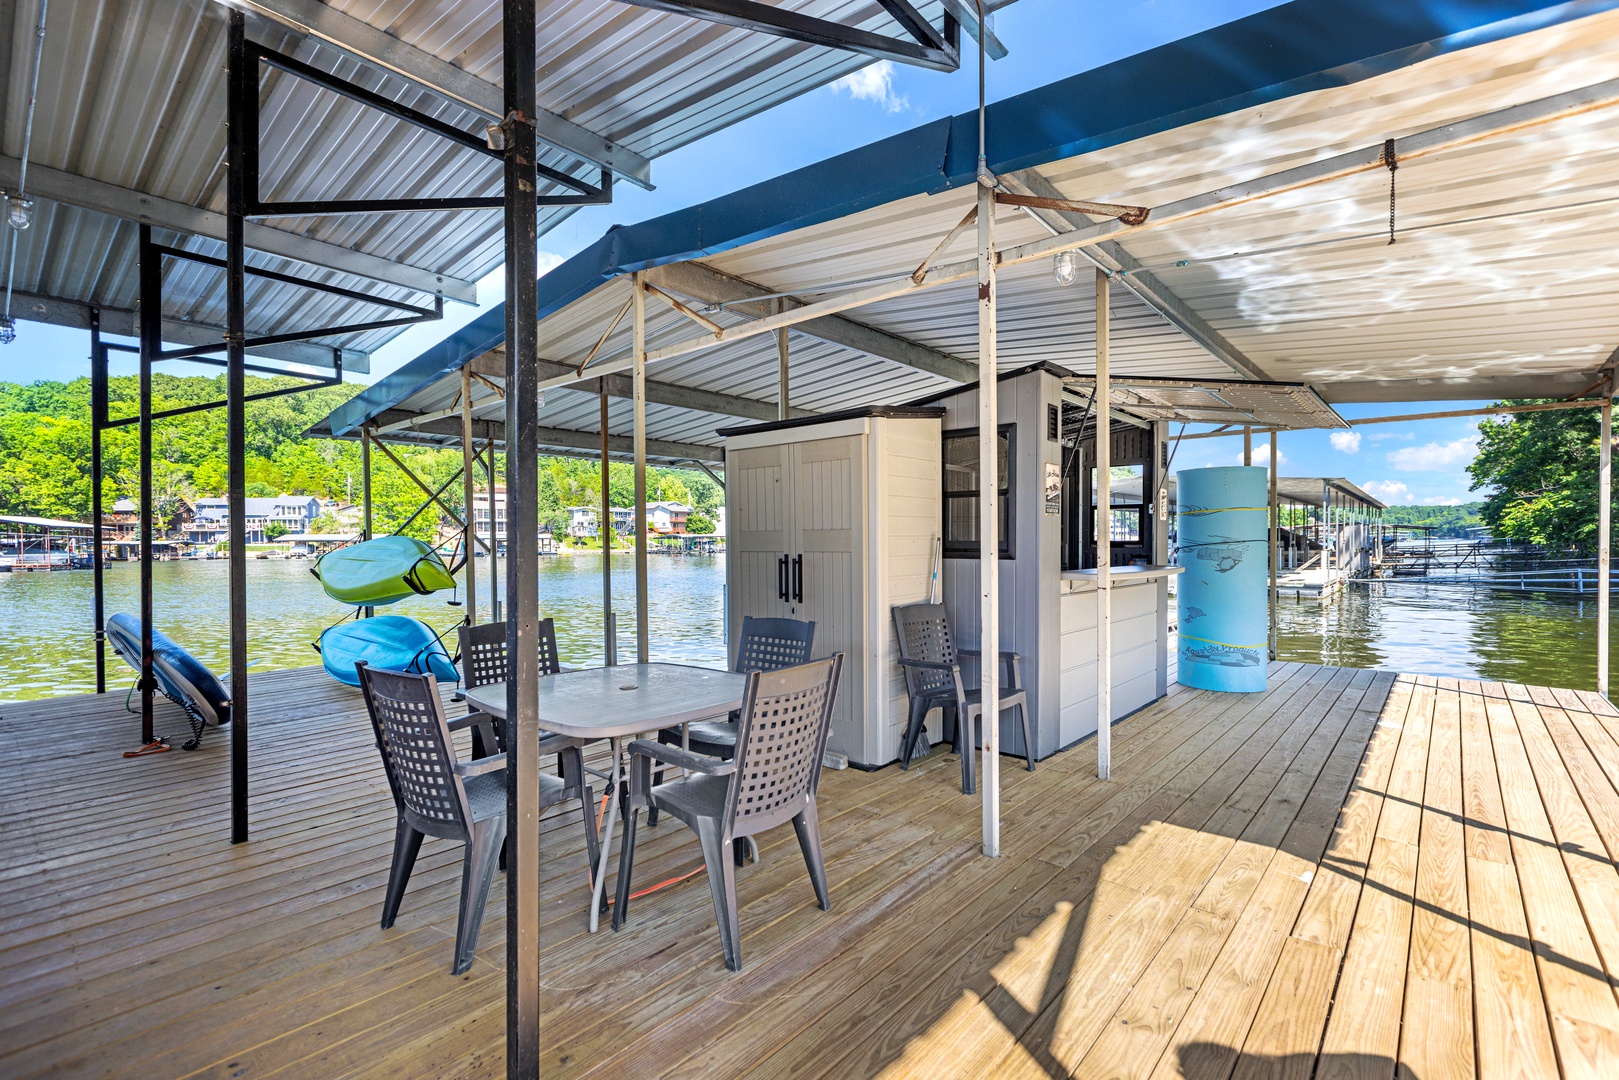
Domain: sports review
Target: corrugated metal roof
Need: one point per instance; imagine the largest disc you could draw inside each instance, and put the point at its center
(1330, 304)
(132, 94)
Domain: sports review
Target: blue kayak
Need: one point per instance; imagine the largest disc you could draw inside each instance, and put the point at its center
(181, 677)
(395, 642)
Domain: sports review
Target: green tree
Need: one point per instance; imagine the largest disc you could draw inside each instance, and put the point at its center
(45, 457)
(1447, 522)
(275, 530)
(699, 522)
(1539, 475)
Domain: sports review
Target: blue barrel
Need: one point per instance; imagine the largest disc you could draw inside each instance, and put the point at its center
(1223, 518)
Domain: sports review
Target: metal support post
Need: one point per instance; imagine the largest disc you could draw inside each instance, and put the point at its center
(1604, 538)
(365, 496)
(609, 627)
(1247, 445)
(1104, 536)
(496, 610)
(989, 527)
(1275, 537)
(522, 546)
(151, 294)
(783, 407)
(242, 177)
(469, 489)
(638, 394)
(98, 418)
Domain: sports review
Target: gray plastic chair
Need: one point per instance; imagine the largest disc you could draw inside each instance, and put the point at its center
(772, 779)
(766, 645)
(483, 661)
(932, 665)
(436, 795)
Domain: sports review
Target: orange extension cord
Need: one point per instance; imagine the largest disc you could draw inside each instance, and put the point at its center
(601, 814)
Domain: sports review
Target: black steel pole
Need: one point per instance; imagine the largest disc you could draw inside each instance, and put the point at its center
(242, 96)
(365, 496)
(522, 549)
(607, 532)
(98, 417)
(151, 291)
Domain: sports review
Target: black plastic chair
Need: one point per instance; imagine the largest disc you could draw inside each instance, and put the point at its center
(781, 737)
(436, 795)
(932, 665)
(766, 645)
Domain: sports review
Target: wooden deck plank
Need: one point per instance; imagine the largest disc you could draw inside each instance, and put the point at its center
(1585, 1026)
(1209, 1037)
(1286, 1033)
(1069, 1025)
(1250, 862)
(1512, 1029)
(1436, 1036)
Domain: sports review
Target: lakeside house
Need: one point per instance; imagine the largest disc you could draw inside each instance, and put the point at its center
(667, 518)
(663, 517)
(212, 521)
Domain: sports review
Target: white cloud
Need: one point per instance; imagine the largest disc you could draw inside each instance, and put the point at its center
(1392, 492)
(1435, 457)
(1384, 436)
(549, 261)
(1262, 455)
(1441, 500)
(875, 82)
(1346, 441)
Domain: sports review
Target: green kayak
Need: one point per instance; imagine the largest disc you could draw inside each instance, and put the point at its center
(381, 571)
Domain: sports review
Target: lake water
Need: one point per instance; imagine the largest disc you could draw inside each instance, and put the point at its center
(1448, 630)
(47, 641)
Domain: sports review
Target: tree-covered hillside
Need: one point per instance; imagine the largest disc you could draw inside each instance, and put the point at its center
(1447, 521)
(45, 455)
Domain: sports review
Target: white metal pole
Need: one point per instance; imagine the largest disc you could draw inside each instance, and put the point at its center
(783, 407)
(1604, 538)
(469, 491)
(1104, 538)
(989, 531)
(1275, 538)
(638, 392)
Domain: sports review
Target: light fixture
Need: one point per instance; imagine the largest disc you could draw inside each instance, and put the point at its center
(8, 330)
(19, 212)
(1062, 265)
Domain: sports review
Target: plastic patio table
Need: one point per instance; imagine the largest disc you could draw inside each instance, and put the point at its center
(616, 703)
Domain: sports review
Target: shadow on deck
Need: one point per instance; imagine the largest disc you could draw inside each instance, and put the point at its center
(1352, 872)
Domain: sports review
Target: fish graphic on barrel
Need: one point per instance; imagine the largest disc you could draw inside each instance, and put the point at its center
(1223, 527)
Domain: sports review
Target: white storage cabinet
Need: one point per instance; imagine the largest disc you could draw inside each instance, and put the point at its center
(833, 520)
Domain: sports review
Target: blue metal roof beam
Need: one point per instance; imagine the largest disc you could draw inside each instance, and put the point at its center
(1291, 49)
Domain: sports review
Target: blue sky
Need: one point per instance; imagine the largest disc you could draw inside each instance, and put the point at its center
(1047, 40)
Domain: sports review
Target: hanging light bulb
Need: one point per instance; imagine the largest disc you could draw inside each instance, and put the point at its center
(8, 330)
(19, 212)
(1063, 267)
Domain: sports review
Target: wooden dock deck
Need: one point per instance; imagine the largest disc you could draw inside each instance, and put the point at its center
(1352, 873)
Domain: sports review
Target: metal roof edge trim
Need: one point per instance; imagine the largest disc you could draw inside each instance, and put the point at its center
(1283, 51)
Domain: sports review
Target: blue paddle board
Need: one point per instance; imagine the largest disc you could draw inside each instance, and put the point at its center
(395, 642)
(181, 677)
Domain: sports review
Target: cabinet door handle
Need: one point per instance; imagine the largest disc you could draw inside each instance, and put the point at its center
(781, 577)
(798, 578)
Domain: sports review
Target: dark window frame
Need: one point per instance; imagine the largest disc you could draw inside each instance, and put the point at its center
(968, 549)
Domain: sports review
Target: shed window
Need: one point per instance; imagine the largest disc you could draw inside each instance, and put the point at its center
(961, 491)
